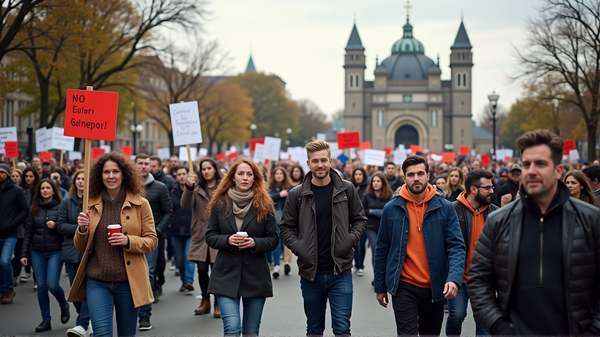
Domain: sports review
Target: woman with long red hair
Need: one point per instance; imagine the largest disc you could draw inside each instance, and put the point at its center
(242, 226)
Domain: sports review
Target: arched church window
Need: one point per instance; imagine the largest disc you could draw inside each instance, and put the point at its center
(434, 118)
(464, 80)
(380, 118)
(351, 81)
(457, 83)
(462, 105)
(357, 81)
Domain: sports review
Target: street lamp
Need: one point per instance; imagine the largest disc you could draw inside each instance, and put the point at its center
(253, 128)
(493, 97)
(289, 133)
(136, 129)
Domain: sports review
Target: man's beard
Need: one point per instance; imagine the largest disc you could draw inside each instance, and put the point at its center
(483, 200)
(417, 190)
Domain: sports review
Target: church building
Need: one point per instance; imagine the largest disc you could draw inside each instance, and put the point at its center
(408, 103)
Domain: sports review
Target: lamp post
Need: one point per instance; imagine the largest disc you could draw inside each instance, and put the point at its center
(253, 128)
(493, 97)
(135, 128)
(289, 133)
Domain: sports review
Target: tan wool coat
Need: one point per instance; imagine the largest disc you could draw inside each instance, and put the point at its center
(138, 224)
(197, 200)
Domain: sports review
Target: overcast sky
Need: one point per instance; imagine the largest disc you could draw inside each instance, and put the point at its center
(303, 41)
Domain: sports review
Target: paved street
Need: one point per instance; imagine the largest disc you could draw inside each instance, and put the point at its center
(173, 315)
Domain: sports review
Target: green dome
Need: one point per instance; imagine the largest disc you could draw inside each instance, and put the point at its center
(408, 44)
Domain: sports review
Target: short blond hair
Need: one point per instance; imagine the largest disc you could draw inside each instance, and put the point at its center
(317, 145)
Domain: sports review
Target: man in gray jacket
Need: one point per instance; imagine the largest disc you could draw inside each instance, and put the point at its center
(536, 266)
(330, 219)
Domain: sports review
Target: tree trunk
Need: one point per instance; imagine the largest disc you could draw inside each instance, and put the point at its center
(592, 127)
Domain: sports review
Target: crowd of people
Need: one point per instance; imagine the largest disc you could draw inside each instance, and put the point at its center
(519, 239)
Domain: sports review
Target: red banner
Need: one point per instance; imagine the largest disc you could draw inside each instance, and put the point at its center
(233, 155)
(254, 141)
(416, 148)
(11, 150)
(569, 145)
(448, 157)
(485, 160)
(464, 151)
(127, 151)
(91, 114)
(388, 150)
(97, 152)
(220, 156)
(45, 156)
(365, 145)
(348, 140)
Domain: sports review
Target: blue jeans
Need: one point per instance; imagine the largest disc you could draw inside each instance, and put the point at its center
(102, 296)
(7, 247)
(48, 266)
(338, 289)
(151, 259)
(457, 311)
(233, 324)
(181, 248)
(371, 235)
(359, 253)
(83, 312)
(277, 252)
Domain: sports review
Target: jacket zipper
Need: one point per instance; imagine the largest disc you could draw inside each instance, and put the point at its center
(399, 252)
(541, 250)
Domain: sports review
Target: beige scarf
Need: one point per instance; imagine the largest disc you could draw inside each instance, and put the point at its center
(242, 201)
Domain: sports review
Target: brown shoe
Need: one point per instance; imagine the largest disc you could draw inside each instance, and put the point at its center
(204, 307)
(217, 313)
(8, 297)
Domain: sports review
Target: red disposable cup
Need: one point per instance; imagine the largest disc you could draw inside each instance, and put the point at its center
(112, 229)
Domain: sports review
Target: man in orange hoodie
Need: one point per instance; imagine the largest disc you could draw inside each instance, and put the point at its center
(472, 208)
(420, 253)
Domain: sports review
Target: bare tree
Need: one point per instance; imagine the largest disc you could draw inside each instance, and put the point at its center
(565, 41)
(312, 120)
(13, 15)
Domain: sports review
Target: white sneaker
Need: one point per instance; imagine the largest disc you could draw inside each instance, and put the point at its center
(276, 271)
(77, 331)
(90, 331)
(360, 272)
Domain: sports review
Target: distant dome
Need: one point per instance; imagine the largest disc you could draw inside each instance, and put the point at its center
(408, 44)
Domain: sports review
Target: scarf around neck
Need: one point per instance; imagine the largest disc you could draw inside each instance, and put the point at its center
(242, 201)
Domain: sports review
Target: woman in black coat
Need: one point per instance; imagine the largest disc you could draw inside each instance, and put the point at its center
(279, 185)
(67, 225)
(45, 243)
(360, 182)
(243, 228)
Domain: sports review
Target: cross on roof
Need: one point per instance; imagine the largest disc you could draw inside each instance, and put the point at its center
(408, 7)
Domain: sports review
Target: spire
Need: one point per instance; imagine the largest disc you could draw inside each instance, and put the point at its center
(250, 67)
(462, 39)
(354, 42)
(408, 7)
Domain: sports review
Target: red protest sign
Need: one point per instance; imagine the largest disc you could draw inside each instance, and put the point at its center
(221, 156)
(45, 156)
(485, 160)
(415, 148)
(464, 150)
(233, 155)
(348, 140)
(569, 145)
(448, 157)
(91, 114)
(97, 152)
(365, 145)
(11, 149)
(388, 150)
(127, 151)
(254, 141)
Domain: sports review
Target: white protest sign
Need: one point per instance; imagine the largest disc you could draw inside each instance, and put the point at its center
(106, 148)
(247, 153)
(164, 153)
(60, 141)
(321, 136)
(203, 152)
(43, 140)
(335, 151)
(232, 148)
(284, 156)
(436, 157)
(353, 154)
(7, 135)
(259, 153)
(399, 156)
(272, 147)
(297, 154)
(183, 153)
(361, 155)
(75, 155)
(574, 155)
(185, 123)
(374, 157)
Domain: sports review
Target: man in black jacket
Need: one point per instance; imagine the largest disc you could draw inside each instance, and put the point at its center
(472, 206)
(14, 211)
(390, 173)
(159, 198)
(536, 267)
(159, 174)
(510, 188)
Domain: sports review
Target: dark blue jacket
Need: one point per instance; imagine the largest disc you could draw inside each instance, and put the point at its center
(14, 209)
(443, 243)
(68, 212)
(182, 218)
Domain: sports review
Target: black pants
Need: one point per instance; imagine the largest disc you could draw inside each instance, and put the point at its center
(414, 311)
(16, 261)
(161, 263)
(203, 276)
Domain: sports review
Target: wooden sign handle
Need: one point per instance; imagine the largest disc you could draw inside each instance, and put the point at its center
(62, 152)
(190, 162)
(86, 171)
(14, 161)
(269, 168)
(350, 160)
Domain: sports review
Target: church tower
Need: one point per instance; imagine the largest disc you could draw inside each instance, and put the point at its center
(354, 65)
(459, 127)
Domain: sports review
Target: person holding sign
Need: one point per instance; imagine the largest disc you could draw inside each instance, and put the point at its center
(242, 226)
(114, 274)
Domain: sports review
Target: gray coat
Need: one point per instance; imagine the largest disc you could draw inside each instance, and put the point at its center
(67, 225)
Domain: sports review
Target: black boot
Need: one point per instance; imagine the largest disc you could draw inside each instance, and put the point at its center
(44, 326)
(65, 314)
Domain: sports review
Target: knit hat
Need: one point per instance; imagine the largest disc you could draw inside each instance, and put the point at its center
(5, 168)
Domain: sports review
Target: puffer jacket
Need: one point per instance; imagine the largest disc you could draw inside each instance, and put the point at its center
(159, 198)
(349, 225)
(182, 218)
(67, 225)
(38, 237)
(494, 263)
